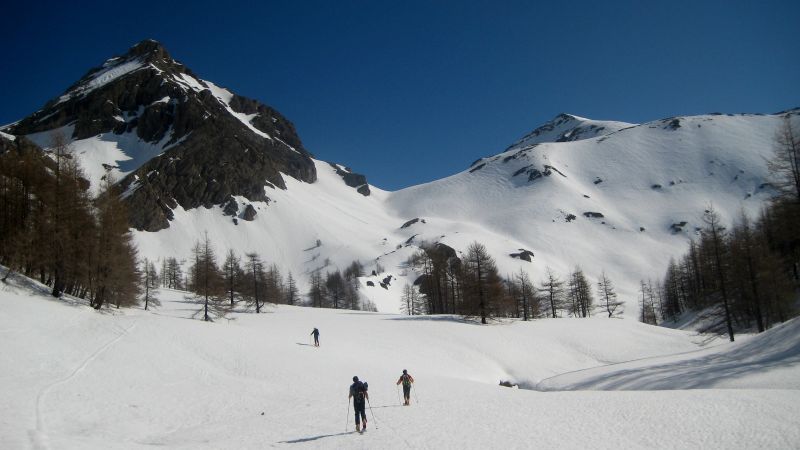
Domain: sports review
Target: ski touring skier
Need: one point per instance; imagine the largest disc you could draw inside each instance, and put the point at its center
(407, 380)
(315, 333)
(359, 394)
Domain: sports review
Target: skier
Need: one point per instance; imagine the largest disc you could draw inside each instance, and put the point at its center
(406, 379)
(359, 394)
(316, 337)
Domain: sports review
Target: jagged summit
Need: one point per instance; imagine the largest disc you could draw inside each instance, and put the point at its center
(169, 136)
(149, 47)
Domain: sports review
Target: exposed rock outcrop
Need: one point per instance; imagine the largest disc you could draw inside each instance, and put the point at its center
(525, 255)
(352, 179)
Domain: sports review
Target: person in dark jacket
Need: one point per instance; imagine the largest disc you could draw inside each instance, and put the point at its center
(316, 337)
(359, 394)
(406, 379)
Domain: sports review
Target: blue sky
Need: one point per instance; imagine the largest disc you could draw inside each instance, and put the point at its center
(408, 92)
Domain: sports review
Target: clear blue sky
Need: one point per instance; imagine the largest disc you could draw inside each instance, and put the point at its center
(408, 92)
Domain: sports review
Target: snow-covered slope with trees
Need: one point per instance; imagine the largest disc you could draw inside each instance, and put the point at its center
(650, 182)
(624, 202)
(129, 379)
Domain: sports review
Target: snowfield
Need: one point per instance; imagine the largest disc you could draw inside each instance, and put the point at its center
(74, 378)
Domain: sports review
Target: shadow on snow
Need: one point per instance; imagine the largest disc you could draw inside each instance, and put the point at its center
(314, 438)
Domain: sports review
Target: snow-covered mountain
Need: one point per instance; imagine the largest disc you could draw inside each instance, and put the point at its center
(624, 202)
(172, 138)
(604, 195)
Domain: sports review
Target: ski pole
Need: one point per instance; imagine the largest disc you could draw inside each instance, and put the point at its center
(347, 417)
(373, 414)
(398, 394)
(415, 393)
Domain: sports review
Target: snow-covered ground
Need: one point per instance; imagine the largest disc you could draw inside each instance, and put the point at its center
(124, 379)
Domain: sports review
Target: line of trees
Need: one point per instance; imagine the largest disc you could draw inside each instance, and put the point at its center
(250, 281)
(247, 280)
(746, 277)
(473, 287)
(51, 228)
(339, 290)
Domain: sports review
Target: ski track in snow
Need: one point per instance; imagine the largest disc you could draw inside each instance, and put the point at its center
(39, 435)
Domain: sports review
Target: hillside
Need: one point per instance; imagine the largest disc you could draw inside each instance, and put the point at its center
(651, 184)
(623, 202)
(127, 379)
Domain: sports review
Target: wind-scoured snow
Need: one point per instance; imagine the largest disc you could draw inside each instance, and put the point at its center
(128, 379)
(111, 71)
(10, 137)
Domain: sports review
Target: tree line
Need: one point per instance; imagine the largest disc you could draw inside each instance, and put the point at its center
(251, 280)
(745, 277)
(471, 286)
(51, 229)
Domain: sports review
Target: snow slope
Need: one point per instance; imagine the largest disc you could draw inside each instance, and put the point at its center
(762, 362)
(112, 69)
(641, 179)
(127, 379)
(106, 153)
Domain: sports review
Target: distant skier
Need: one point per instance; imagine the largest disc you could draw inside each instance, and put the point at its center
(359, 394)
(406, 379)
(316, 337)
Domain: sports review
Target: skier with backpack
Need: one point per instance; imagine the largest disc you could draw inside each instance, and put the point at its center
(315, 332)
(359, 394)
(407, 380)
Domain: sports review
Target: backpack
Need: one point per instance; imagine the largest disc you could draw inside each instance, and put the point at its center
(406, 380)
(360, 388)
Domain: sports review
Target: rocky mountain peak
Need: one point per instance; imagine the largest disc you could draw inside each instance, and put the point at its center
(187, 141)
(148, 49)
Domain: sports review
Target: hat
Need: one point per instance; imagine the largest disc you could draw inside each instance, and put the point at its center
(404, 371)
(355, 379)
